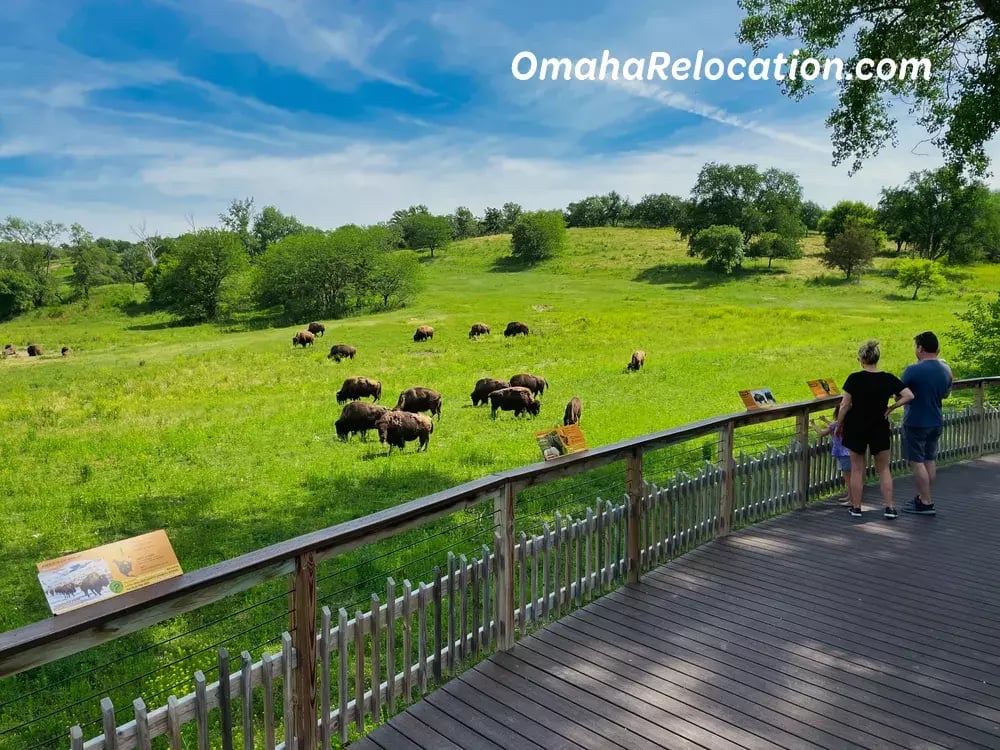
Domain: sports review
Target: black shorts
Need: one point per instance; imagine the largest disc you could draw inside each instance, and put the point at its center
(863, 438)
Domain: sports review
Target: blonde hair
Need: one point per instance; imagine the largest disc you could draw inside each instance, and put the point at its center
(869, 353)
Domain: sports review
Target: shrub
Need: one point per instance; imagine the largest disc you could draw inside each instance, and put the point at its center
(721, 245)
(538, 235)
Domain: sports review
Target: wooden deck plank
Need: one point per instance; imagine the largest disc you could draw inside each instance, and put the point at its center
(805, 631)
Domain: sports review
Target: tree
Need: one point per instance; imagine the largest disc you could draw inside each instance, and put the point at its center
(721, 245)
(919, 274)
(426, 231)
(269, 226)
(400, 215)
(42, 234)
(837, 218)
(134, 263)
(588, 212)
(538, 235)
(854, 248)
(893, 212)
(511, 212)
(188, 281)
(493, 221)
(464, 224)
(658, 210)
(938, 211)
(18, 291)
(979, 343)
(988, 227)
(772, 245)
(237, 219)
(741, 196)
(810, 214)
(398, 275)
(615, 207)
(151, 244)
(92, 264)
(958, 95)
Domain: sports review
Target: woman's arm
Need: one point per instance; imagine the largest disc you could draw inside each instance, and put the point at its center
(845, 406)
(905, 396)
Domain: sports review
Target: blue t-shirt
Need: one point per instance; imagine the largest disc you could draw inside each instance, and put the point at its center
(930, 381)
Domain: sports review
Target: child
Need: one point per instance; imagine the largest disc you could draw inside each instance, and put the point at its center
(838, 450)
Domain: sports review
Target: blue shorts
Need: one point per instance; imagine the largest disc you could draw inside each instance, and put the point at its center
(844, 462)
(920, 444)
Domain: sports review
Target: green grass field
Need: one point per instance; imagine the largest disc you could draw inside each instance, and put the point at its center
(225, 437)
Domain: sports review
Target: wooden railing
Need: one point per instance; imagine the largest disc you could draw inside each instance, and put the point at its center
(518, 583)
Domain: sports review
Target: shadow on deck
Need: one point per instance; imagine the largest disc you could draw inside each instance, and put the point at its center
(812, 630)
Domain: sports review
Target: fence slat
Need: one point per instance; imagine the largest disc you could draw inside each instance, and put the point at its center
(422, 599)
(437, 624)
(225, 703)
(407, 641)
(376, 632)
(141, 724)
(324, 655)
(287, 718)
(173, 723)
(201, 708)
(359, 670)
(390, 646)
(246, 694)
(267, 677)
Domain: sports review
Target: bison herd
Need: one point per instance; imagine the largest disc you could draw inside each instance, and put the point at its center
(33, 350)
(406, 421)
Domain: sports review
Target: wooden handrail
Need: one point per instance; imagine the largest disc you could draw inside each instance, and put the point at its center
(56, 637)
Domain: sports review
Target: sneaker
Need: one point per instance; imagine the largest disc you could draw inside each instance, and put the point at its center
(890, 513)
(855, 512)
(919, 508)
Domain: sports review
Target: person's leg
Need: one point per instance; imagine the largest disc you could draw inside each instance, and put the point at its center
(885, 482)
(921, 449)
(857, 480)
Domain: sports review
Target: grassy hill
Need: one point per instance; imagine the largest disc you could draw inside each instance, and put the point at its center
(224, 436)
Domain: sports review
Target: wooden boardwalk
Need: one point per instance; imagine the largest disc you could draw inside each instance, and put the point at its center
(813, 630)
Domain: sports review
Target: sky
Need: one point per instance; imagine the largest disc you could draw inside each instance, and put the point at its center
(120, 114)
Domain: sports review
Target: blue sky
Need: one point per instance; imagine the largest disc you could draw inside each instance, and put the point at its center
(115, 112)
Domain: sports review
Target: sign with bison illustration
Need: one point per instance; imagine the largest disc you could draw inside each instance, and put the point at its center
(82, 578)
(758, 398)
(561, 441)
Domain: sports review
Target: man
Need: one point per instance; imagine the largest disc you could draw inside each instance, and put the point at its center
(930, 380)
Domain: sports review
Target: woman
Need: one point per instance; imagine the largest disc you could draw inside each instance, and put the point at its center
(863, 423)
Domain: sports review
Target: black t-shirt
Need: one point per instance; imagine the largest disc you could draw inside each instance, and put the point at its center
(870, 394)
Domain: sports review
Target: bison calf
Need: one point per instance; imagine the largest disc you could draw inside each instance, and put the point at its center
(484, 387)
(479, 329)
(573, 409)
(304, 338)
(420, 399)
(340, 351)
(515, 399)
(397, 428)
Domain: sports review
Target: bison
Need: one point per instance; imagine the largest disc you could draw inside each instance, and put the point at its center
(533, 383)
(423, 333)
(516, 399)
(358, 388)
(9, 351)
(400, 427)
(93, 583)
(339, 351)
(358, 417)
(638, 360)
(478, 329)
(34, 350)
(304, 338)
(573, 409)
(420, 399)
(66, 351)
(317, 329)
(514, 328)
(484, 387)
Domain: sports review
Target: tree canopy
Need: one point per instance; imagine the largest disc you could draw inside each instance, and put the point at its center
(958, 104)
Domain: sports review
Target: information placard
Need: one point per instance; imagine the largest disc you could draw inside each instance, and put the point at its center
(82, 578)
(823, 387)
(561, 441)
(758, 398)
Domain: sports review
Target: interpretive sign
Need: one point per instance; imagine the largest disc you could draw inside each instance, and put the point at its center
(823, 387)
(561, 441)
(758, 398)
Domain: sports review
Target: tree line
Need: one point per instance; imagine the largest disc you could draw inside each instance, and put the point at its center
(268, 260)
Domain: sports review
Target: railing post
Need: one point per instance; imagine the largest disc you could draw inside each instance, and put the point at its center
(979, 409)
(504, 544)
(724, 523)
(303, 628)
(802, 476)
(633, 486)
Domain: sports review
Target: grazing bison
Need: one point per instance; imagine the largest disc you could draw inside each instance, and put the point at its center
(638, 360)
(397, 428)
(516, 399)
(358, 388)
(423, 333)
(533, 383)
(514, 328)
(66, 351)
(317, 329)
(484, 387)
(573, 409)
(9, 351)
(34, 350)
(339, 351)
(420, 399)
(304, 338)
(478, 329)
(65, 589)
(358, 416)
(92, 583)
